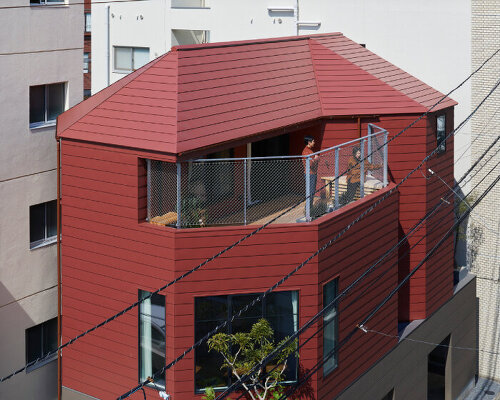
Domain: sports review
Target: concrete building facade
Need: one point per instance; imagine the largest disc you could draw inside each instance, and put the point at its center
(484, 225)
(40, 75)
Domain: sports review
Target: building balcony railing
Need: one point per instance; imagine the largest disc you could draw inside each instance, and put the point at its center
(254, 190)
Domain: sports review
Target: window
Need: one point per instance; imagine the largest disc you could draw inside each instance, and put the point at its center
(330, 328)
(43, 224)
(152, 335)
(189, 3)
(86, 60)
(441, 133)
(86, 94)
(88, 26)
(279, 308)
(40, 340)
(130, 58)
(46, 2)
(46, 103)
(187, 36)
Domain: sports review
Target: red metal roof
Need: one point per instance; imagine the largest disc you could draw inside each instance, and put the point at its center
(201, 95)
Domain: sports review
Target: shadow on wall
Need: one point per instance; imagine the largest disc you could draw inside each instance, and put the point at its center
(40, 383)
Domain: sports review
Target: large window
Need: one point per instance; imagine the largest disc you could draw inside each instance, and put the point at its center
(88, 25)
(152, 334)
(40, 340)
(441, 133)
(279, 308)
(43, 223)
(129, 59)
(46, 103)
(330, 328)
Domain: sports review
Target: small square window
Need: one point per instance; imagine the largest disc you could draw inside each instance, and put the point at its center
(41, 340)
(43, 224)
(46, 103)
(441, 133)
(129, 59)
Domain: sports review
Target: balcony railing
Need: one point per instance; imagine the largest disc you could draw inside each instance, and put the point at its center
(242, 191)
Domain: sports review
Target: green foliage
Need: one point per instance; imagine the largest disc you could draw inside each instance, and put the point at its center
(243, 350)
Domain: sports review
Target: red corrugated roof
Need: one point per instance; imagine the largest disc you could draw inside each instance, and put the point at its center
(202, 95)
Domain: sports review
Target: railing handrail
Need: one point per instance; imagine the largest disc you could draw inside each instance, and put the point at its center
(381, 131)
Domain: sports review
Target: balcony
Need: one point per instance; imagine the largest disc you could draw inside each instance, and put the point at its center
(256, 190)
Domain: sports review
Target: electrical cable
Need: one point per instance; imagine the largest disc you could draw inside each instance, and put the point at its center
(319, 251)
(361, 326)
(135, 304)
(338, 297)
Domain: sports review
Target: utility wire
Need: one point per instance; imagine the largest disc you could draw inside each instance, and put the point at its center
(319, 251)
(225, 250)
(361, 326)
(335, 301)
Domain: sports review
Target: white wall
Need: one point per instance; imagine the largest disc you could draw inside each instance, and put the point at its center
(44, 45)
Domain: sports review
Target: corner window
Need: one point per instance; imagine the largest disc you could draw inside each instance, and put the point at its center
(152, 335)
(88, 25)
(46, 103)
(279, 308)
(43, 224)
(128, 59)
(86, 60)
(188, 36)
(330, 328)
(441, 133)
(40, 340)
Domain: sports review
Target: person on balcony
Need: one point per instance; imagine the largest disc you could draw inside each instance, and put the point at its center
(354, 175)
(313, 167)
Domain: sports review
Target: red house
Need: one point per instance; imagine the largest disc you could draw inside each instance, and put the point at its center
(198, 148)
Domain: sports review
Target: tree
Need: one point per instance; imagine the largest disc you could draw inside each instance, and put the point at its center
(243, 350)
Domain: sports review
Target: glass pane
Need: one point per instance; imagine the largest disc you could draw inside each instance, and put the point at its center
(49, 333)
(240, 301)
(37, 222)
(123, 58)
(152, 337)
(207, 363)
(33, 343)
(87, 22)
(37, 104)
(51, 217)
(56, 100)
(141, 57)
(329, 328)
(279, 303)
(210, 308)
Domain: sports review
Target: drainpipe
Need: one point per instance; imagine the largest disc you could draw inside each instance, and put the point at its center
(297, 23)
(59, 330)
(108, 42)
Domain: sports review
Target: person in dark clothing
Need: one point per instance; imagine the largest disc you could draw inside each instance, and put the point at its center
(354, 175)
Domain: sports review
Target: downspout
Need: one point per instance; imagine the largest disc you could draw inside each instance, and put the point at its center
(297, 23)
(59, 326)
(108, 42)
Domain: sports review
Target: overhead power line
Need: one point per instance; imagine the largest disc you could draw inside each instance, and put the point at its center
(316, 253)
(335, 301)
(249, 235)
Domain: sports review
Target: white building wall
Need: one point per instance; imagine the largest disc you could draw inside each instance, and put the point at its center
(38, 45)
(484, 245)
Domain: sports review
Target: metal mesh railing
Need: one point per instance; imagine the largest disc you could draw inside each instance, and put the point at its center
(246, 191)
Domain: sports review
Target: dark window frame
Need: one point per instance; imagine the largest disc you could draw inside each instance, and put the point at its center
(46, 103)
(47, 226)
(229, 311)
(328, 370)
(45, 347)
(441, 134)
(156, 385)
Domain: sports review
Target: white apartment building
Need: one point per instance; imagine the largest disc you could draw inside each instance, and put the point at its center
(41, 61)
(484, 246)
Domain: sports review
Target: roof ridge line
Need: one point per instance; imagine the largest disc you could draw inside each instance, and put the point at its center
(315, 75)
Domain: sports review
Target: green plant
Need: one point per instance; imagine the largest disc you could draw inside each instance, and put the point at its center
(243, 350)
